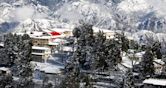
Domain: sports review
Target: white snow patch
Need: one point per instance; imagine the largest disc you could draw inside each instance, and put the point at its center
(161, 82)
(133, 5)
(158, 6)
(48, 68)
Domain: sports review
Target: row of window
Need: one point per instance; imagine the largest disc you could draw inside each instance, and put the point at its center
(38, 51)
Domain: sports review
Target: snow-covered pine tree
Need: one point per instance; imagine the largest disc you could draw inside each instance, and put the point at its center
(72, 77)
(129, 79)
(46, 83)
(7, 55)
(125, 43)
(113, 52)
(122, 41)
(76, 32)
(156, 49)
(147, 66)
(22, 49)
(6, 80)
(99, 57)
(84, 43)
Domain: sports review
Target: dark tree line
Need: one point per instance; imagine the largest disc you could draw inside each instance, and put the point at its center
(17, 56)
(94, 52)
(147, 66)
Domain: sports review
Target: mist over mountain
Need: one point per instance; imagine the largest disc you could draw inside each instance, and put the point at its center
(130, 15)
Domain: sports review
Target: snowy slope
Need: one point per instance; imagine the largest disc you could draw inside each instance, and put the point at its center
(150, 14)
(134, 5)
(40, 25)
(83, 10)
(40, 15)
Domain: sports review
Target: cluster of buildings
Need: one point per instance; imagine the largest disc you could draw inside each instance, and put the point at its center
(45, 44)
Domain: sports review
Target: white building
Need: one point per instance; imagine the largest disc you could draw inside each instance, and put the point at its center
(40, 54)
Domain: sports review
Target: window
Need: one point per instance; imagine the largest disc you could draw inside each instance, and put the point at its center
(37, 51)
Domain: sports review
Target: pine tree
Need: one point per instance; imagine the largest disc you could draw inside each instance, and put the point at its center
(81, 58)
(7, 55)
(113, 52)
(99, 51)
(85, 39)
(18, 55)
(129, 79)
(147, 66)
(22, 68)
(46, 83)
(122, 41)
(87, 80)
(76, 32)
(6, 80)
(125, 43)
(72, 77)
(156, 49)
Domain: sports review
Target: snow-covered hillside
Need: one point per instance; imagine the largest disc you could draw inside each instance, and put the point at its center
(40, 15)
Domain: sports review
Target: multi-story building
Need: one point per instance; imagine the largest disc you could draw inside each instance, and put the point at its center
(40, 54)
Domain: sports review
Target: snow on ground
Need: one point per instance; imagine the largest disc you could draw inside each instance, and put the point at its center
(161, 82)
(159, 61)
(140, 54)
(1, 44)
(128, 62)
(4, 69)
(47, 67)
(55, 60)
(103, 85)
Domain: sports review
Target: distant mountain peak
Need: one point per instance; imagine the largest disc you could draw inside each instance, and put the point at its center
(133, 14)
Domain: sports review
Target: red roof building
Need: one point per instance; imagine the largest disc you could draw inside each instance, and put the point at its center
(55, 33)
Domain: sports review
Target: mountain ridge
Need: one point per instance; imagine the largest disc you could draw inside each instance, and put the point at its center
(103, 14)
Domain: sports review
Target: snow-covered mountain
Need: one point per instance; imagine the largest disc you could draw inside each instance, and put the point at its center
(40, 15)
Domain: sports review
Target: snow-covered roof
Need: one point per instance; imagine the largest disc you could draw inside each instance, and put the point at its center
(40, 48)
(39, 54)
(159, 61)
(34, 33)
(53, 44)
(67, 48)
(1, 44)
(48, 68)
(95, 29)
(4, 69)
(61, 30)
(57, 41)
(47, 37)
(40, 35)
(140, 54)
(127, 65)
(161, 82)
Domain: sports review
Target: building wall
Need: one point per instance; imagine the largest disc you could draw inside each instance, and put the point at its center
(40, 55)
(68, 33)
(37, 58)
(109, 35)
(40, 42)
